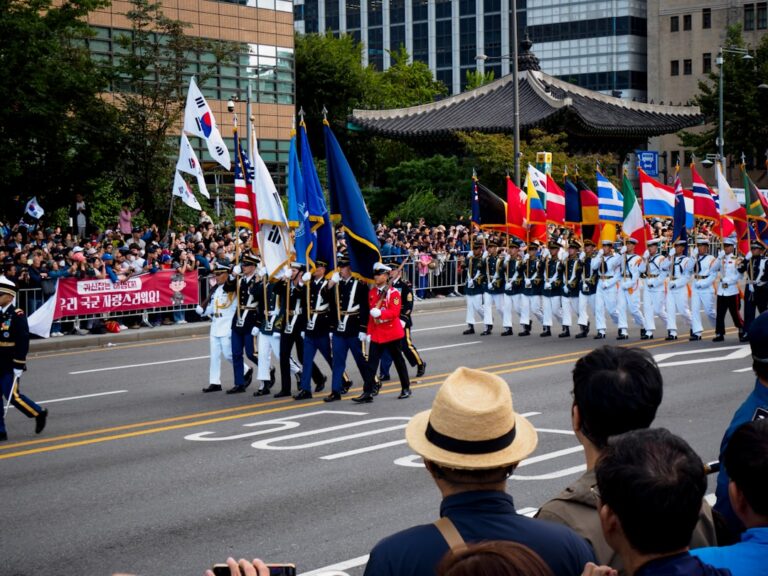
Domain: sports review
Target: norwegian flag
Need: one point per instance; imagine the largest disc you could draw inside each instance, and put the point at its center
(246, 215)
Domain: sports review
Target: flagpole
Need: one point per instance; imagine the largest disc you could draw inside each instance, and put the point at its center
(170, 213)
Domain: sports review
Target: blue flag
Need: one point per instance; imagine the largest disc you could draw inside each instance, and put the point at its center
(347, 201)
(679, 229)
(298, 215)
(322, 249)
(572, 202)
(476, 219)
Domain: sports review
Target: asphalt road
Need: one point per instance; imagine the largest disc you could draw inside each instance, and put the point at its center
(140, 472)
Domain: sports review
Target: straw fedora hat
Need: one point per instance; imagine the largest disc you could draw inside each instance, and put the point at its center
(472, 425)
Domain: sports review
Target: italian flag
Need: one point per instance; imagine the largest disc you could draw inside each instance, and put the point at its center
(634, 225)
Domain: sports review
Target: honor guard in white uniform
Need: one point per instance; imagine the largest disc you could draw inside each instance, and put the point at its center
(629, 291)
(654, 300)
(530, 303)
(587, 288)
(608, 267)
(221, 308)
(572, 267)
(702, 266)
(552, 287)
(728, 291)
(677, 270)
(513, 286)
(473, 291)
(493, 289)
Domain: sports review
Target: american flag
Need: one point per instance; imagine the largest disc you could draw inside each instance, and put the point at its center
(245, 200)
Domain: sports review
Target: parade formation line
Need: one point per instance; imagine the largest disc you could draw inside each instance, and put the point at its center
(247, 411)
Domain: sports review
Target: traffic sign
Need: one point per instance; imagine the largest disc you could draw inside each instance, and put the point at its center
(648, 160)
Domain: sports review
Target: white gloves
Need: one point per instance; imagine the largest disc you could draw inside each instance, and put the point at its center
(695, 252)
(508, 285)
(199, 310)
(375, 312)
(526, 257)
(547, 285)
(237, 269)
(263, 271)
(490, 285)
(362, 336)
(527, 283)
(582, 256)
(485, 254)
(748, 256)
(17, 372)
(507, 257)
(721, 253)
(565, 288)
(402, 323)
(336, 278)
(646, 255)
(600, 253)
(255, 332)
(306, 277)
(302, 335)
(470, 283)
(623, 250)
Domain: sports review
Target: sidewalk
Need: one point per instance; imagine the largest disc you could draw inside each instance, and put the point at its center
(72, 342)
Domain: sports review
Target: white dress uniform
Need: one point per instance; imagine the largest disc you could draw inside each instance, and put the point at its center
(473, 293)
(654, 299)
(728, 293)
(676, 268)
(587, 292)
(221, 308)
(629, 292)
(551, 305)
(703, 269)
(609, 274)
(511, 300)
(493, 291)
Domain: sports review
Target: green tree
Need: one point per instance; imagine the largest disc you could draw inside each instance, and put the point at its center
(150, 90)
(404, 83)
(745, 105)
(57, 135)
(475, 79)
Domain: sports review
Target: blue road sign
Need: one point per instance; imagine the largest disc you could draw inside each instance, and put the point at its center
(648, 160)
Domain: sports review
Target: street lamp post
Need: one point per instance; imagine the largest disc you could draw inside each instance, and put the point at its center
(745, 55)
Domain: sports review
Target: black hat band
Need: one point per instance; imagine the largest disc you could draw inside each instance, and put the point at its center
(469, 446)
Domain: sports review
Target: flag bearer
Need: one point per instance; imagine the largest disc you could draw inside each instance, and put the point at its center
(728, 291)
(552, 287)
(654, 268)
(703, 293)
(572, 268)
(493, 289)
(513, 286)
(587, 287)
(530, 303)
(629, 291)
(473, 291)
(677, 269)
(607, 264)
(756, 290)
(243, 322)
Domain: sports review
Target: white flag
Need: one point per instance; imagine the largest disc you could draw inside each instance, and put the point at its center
(34, 209)
(189, 163)
(40, 320)
(183, 191)
(199, 121)
(274, 235)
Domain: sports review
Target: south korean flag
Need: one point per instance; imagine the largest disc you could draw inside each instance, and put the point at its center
(189, 164)
(199, 121)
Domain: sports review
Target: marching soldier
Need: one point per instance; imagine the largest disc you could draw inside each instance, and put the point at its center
(654, 271)
(552, 287)
(677, 268)
(243, 323)
(532, 285)
(703, 293)
(409, 349)
(572, 269)
(351, 324)
(14, 345)
(587, 287)
(728, 291)
(629, 291)
(385, 331)
(756, 292)
(294, 322)
(513, 285)
(608, 265)
(473, 291)
(493, 289)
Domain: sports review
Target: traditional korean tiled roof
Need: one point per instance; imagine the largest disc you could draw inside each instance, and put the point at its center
(544, 100)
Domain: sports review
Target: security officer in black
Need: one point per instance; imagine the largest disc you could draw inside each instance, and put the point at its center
(14, 345)
(588, 287)
(244, 321)
(409, 349)
(756, 289)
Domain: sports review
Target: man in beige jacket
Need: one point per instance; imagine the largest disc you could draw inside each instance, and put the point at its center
(615, 390)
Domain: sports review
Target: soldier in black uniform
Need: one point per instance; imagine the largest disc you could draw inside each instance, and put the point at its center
(473, 291)
(530, 304)
(14, 337)
(244, 322)
(756, 290)
(294, 321)
(552, 287)
(572, 270)
(317, 334)
(513, 285)
(409, 350)
(587, 288)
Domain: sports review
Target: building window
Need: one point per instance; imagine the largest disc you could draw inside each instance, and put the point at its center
(674, 69)
(687, 67)
(687, 21)
(706, 62)
(674, 24)
(762, 16)
(749, 16)
(706, 18)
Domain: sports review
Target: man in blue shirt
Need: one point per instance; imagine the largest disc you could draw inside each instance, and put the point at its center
(747, 459)
(471, 442)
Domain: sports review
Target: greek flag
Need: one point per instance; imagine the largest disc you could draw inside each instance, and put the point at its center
(610, 202)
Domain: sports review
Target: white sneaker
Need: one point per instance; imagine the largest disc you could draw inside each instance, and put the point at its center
(123, 327)
(181, 321)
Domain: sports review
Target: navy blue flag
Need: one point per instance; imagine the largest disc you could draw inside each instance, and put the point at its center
(476, 219)
(572, 202)
(323, 247)
(347, 203)
(679, 231)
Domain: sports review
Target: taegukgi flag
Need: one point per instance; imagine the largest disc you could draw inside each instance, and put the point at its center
(199, 121)
(183, 191)
(189, 164)
(34, 209)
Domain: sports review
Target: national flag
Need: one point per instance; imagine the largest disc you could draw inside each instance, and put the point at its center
(572, 203)
(324, 246)
(298, 214)
(658, 198)
(245, 201)
(492, 209)
(475, 201)
(199, 121)
(555, 202)
(34, 209)
(590, 204)
(610, 200)
(189, 164)
(730, 208)
(634, 224)
(535, 213)
(680, 219)
(755, 209)
(704, 205)
(539, 180)
(183, 191)
(41, 320)
(516, 210)
(362, 244)
(607, 231)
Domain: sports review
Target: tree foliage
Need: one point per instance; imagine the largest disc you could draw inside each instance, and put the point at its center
(475, 79)
(745, 105)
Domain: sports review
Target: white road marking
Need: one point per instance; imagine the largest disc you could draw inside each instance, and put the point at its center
(448, 346)
(81, 397)
(268, 443)
(556, 431)
(530, 512)
(140, 365)
(748, 369)
(550, 455)
(551, 475)
(334, 569)
(737, 353)
(437, 328)
(362, 450)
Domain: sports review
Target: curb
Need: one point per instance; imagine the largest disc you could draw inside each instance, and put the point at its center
(72, 342)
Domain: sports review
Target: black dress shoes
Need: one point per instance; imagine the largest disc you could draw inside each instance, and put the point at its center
(376, 388)
(743, 337)
(345, 386)
(384, 377)
(507, 332)
(670, 336)
(263, 392)
(212, 388)
(487, 331)
(622, 336)
(320, 386)
(694, 337)
(421, 370)
(566, 333)
(599, 336)
(718, 338)
(3, 436)
(404, 394)
(547, 332)
(364, 398)
(236, 390)
(281, 394)
(40, 420)
(332, 397)
(470, 330)
(303, 395)
(248, 378)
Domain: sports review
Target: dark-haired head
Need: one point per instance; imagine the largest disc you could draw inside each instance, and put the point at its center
(497, 558)
(746, 459)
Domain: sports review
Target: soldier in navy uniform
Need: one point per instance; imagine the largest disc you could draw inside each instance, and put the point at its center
(587, 287)
(493, 289)
(513, 285)
(243, 323)
(294, 322)
(531, 270)
(756, 289)
(473, 291)
(572, 269)
(14, 340)
(552, 288)
(409, 349)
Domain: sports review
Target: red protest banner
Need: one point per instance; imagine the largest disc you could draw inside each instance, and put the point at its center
(163, 289)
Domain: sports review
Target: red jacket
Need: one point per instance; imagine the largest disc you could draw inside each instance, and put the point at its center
(386, 327)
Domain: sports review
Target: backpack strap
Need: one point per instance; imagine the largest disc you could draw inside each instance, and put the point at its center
(450, 534)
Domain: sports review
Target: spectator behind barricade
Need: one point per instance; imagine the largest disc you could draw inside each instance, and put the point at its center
(79, 216)
(471, 442)
(747, 460)
(125, 219)
(755, 407)
(137, 238)
(496, 558)
(204, 218)
(203, 264)
(615, 390)
(650, 485)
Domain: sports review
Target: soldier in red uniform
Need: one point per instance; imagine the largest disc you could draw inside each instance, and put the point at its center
(385, 332)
